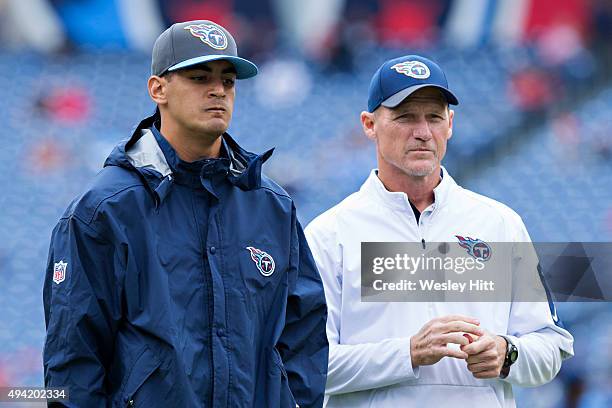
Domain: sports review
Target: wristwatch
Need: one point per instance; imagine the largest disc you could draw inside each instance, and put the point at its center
(511, 356)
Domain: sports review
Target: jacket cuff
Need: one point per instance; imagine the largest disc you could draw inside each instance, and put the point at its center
(404, 347)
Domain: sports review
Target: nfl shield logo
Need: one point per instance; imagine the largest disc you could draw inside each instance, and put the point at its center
(59, 271)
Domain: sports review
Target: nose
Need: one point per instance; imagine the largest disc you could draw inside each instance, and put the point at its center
(216, 89)
(422, 131)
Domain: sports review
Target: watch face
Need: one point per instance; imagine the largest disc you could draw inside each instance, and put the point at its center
(513, 355)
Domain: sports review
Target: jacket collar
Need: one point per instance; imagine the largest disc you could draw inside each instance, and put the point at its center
(142, 153)
(397, 200)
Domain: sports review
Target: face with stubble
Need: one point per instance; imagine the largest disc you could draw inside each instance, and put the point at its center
(411, 138)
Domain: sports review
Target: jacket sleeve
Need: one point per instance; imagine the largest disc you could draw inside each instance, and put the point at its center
(534, 327)
(303, 344)
(81, 312)
(353, 367)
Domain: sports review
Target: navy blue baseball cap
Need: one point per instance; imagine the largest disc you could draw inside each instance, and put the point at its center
(398, 78)
(191, 43)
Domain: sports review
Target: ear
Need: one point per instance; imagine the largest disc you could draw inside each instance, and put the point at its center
(367, 122)
(451, 115)
(157, 89)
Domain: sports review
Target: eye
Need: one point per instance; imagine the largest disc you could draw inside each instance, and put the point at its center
(197, 78)
(229, 82)
(405, 117)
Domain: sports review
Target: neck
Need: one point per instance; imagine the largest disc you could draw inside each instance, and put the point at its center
(191, 147)
(420, 190)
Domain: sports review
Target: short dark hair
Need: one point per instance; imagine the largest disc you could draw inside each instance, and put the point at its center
(168, 75)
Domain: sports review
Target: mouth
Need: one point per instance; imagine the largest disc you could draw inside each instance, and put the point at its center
(216, 109)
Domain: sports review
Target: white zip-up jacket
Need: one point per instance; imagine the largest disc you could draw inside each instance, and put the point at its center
(369, 343)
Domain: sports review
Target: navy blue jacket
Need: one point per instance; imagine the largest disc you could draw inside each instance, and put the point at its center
(169, 288)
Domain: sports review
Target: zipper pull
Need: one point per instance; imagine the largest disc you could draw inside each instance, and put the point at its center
(423, 242)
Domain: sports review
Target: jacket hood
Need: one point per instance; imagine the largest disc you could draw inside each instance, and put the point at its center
(141, 153)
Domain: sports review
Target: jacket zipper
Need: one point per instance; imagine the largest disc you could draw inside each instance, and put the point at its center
(419, 229)
(421, 232)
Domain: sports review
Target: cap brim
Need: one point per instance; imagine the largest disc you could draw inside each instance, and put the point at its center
(396, 99)
(244, 68)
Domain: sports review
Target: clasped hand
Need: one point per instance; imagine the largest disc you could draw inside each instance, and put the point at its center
(484, 356)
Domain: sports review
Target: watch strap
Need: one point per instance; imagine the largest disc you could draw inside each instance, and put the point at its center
(510, 349)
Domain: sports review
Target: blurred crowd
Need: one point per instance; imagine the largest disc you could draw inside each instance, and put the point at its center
(330, 31)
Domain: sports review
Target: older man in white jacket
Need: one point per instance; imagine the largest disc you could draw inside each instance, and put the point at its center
(398, 354)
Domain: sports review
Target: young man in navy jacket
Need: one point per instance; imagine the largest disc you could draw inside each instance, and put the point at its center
(181, 277)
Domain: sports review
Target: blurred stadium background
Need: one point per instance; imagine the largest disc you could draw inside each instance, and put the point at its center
(533, 129)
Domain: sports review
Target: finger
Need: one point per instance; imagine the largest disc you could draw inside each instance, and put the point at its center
(455, 353)
(483, 344)
(454, 338)
(480, 367)
(476, 368)
(450, 318)
(486, 374)
(481, 357)
(459, 326)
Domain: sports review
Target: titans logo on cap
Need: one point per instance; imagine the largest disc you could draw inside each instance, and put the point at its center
(209, 34)
(414, 69)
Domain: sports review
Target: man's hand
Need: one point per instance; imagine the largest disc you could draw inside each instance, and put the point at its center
(486, 356)
(429, 345)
